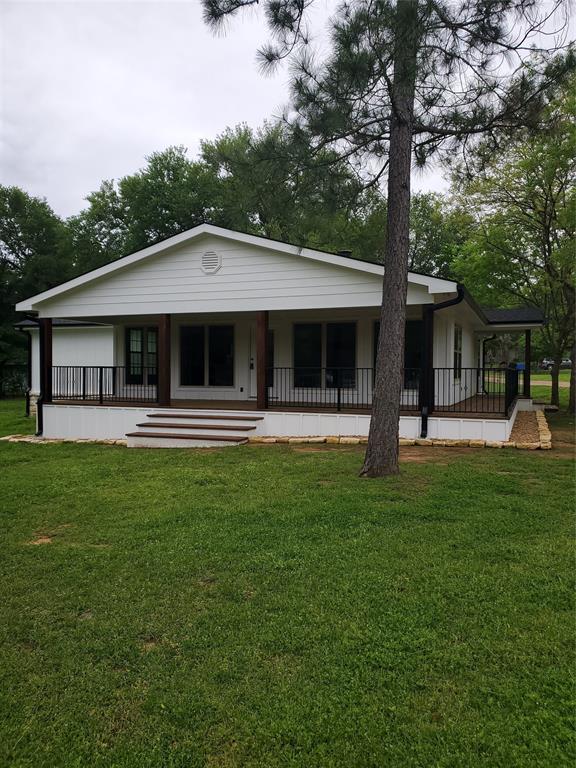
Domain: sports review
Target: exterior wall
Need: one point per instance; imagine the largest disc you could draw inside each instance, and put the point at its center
(251, 278)
(74, 346)
(449, 389)
(86, 421)
(281, 324)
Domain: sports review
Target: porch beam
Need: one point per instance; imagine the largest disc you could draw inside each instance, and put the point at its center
(527, 361)
(164, 359)
(261, 359)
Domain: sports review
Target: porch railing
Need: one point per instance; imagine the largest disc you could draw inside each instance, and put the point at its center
(474, 390)
(333, 388)
(442, 390)
(105, 383)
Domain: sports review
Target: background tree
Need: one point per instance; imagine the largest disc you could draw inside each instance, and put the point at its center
(405, 79)
(439, 230)
(252, 181)
(35, 254)
(524, 247)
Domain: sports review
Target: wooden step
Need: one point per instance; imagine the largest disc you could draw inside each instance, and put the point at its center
(231, 427)
(168, 436)
(219, 416)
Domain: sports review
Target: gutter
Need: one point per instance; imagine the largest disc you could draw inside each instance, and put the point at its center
(428, 399)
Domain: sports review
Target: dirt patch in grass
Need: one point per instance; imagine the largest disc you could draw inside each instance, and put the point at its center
(42, 539)
(149, 643)
(207, 581)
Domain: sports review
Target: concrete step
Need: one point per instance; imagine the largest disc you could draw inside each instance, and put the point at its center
(180, 440)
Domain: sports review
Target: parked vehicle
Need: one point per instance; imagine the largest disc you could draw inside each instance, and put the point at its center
(547, 364)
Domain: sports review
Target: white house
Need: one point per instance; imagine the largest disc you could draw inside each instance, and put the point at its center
(214, 335)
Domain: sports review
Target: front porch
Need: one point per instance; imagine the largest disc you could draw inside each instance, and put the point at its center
(101, 386)
(298, 373)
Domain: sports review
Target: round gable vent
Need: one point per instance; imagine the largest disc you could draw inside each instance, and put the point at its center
(211, 262)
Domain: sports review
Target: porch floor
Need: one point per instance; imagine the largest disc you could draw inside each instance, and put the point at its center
(477, 407)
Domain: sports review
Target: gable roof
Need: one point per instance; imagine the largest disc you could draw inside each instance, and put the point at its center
(433, 284)
(521, 315)
(59, 323)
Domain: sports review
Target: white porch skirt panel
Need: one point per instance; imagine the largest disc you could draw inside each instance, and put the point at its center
(113, 422)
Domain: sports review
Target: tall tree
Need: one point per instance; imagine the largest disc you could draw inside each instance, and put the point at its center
(253, 181)
(35, 254)
(405, 80)
(524, 244)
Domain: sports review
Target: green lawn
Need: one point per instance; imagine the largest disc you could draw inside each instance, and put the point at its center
(543, 393)
(262, 606)
(564, 375)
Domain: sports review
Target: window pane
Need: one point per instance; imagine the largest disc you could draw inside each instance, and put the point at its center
(457, 351)
(151, 356)
(413, 344)
(221, 355)
(192, 356)
(307, 355)
(134, 355)
(341, 355)
(270, 359)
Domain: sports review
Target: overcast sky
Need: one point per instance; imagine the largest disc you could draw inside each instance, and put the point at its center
(88, 89)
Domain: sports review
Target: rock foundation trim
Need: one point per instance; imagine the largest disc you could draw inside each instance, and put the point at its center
(60, 440)
(544, 442)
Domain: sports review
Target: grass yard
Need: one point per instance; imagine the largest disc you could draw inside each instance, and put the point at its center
(262, 606)
(543, 393)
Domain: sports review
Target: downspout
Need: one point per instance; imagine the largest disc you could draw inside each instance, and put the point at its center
(428, 398)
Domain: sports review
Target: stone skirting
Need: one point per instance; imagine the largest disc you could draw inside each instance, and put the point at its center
(544, 441)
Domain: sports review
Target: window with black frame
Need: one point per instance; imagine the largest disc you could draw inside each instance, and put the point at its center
(341, 355)
(192, 358)
(307, 355)
(413, 341)
(207, 355)
(141, 355)
(457, 352)
(221, 356)
(270, 359)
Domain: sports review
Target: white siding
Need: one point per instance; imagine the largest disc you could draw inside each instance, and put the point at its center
(101, 422)
(251, 278)
(281, 324)
(74, 346)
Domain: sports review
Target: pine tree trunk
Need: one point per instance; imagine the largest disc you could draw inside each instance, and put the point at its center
(555, 374)
(572, 396)
(382, 452)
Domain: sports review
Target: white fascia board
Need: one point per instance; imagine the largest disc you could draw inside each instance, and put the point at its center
(511, 327)
(433, 284)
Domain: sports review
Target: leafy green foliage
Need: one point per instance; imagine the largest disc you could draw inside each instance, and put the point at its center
(523, 247)
(35, 254)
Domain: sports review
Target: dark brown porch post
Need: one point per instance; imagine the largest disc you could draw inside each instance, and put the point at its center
(261, 361)
(164, 360)
(527, 361)
(45, 337)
